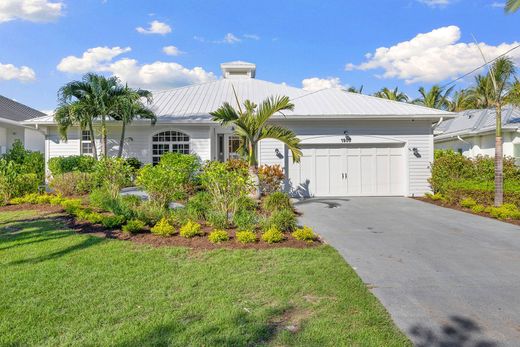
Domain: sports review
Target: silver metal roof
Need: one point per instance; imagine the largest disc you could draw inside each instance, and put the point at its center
(472, 122)
(12, 110)
(195, 102)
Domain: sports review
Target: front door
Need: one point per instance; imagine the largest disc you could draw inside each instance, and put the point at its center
(227, 147)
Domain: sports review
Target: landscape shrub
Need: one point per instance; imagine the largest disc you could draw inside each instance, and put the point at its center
(218, 236)
(25, 161)
(179, 216)
(272, 235)
(199, 205)
(435, 197)
(134, 163)
(32, 198)
(217, 219)
(163, 228)
(239, 165)
(245, 220)
(246, 237)
(304, 234)
(191, 229)
(468, 202)
(449, 166)
(113, 174)
(133, 226)
(15, 184)
(73, 183)
(112, 222)
(478, 208)
(101, 199)
(172, 179)
(482, 192)
(78, 163)
(89, 216)
(247, 203)
(506, 211)
(226, 187)
(71, 206)
(56, 200)
(283, 220)
(276, 201)
(271, 178)
(150, 212)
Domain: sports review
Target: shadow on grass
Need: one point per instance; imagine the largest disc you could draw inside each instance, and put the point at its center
(247, 331)
(460, 331)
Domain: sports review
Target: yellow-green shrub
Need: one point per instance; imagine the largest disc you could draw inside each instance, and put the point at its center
(112, 222)
(163, 228)
(133, 226)
(272, 235)
(505, 211)
(304, 234)
(245, 237)
(468, 202)
(71, 205)
(218, 236)
(191, 229)
(478, 208)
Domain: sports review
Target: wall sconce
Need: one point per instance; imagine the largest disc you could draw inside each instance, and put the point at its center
(416, 153)
(347, 138)
(279, 155)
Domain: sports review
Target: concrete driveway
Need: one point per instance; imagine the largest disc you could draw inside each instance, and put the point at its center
(448, 278)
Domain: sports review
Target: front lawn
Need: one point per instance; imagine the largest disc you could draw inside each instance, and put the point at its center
(63, 288)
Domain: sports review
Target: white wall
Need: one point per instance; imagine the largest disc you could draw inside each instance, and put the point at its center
(480, 145)
(138, 140)
(31, 139)
(416, 134)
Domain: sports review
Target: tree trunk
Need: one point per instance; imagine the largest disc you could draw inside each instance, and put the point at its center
(93, 140)
(499, 159)
(253, 173)
(103, 136)
(122, 140)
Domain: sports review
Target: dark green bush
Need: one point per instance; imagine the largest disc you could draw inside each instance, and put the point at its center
(217, 219)
(178, 216)
(112, 222)
(25, 161)
(150, 212)
(133, 226)
(283, 220)
(134, 163)
(113, 174)
(245, 220)
(482, 192)
(449, 166)
(276, 201)
(199, 205)
(80, 163)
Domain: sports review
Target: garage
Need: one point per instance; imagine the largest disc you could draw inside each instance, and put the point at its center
(348, 170)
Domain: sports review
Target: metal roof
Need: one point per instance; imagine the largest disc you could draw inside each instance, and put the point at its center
(195, 102)
(472, 122)
(12, 110)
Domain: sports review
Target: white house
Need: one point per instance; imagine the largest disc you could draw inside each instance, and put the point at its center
(472, 133)
(12, 114)
(352, 144)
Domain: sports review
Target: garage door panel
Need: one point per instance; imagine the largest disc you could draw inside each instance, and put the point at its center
(368, 175)
(383, 174)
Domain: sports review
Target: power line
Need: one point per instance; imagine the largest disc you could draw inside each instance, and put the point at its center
(480, 67)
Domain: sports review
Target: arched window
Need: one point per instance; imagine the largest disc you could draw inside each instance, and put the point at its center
(169, 141)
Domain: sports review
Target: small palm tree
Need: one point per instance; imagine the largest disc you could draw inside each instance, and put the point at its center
(436, 97)
(394, 94)
(251, 126)
(130, 105)
(512, 6)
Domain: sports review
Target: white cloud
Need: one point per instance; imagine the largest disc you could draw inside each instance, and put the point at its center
(31, 10)
(156, 75)
(251, 37)
(229, 38)
(11, 72)
(498, 4)
(436, 3)
(431, 57)
(172, 50)
(91, 60)
(155, 27)
(315, 83)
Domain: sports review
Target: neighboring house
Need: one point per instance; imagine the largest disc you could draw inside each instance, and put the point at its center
(472, 133)
(352, 144)
(12, 114)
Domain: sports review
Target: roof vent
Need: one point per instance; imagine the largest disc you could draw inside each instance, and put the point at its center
(238, 69)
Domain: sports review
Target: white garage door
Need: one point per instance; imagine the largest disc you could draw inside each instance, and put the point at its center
(348, 170)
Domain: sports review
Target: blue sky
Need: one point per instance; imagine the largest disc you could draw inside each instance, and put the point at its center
(46, 43)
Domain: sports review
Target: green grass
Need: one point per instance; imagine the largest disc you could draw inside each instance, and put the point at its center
(61, 288)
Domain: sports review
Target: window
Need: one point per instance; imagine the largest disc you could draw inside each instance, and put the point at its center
(169, 141)
(86, 143)
(233, 145)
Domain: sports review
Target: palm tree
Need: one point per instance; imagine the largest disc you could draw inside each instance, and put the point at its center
(355, 90)
(97, 95)
(250, 124)
(436, 97)
(394, 95)
(500, 73)
(512, 6)
(482, 93)
(461, 101)
(129, 106)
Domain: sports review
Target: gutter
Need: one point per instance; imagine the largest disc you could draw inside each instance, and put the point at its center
(20, 125)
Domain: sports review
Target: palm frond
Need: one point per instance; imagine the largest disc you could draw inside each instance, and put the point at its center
(225, 114)
(285, 136)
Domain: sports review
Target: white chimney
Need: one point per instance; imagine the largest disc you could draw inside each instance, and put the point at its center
(238, 69)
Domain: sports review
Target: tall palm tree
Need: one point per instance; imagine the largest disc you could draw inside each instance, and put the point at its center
(97, 95)
(436, 97)
(394, 94)
(501, 74)
(481, 93)
(512, 6)
(251, 125)
(461, 101)
(130, 105)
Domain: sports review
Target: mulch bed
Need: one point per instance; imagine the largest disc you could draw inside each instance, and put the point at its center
(46, 208)
(467, 210)
(197, 242)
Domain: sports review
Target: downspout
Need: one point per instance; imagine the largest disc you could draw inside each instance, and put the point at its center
(438, 123)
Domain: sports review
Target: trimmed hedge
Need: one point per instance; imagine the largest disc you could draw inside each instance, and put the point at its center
(482, 192)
